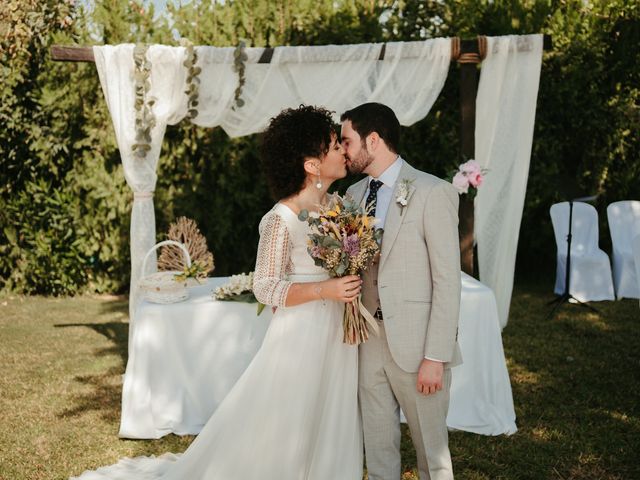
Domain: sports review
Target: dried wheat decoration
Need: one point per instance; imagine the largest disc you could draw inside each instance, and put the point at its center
(186, 231)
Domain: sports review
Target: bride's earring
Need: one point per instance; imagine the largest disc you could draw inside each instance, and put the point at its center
(319, 182)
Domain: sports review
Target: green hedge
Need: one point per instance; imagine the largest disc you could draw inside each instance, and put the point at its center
(64, 206)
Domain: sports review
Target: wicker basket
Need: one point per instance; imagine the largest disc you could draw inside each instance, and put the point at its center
(162, 287)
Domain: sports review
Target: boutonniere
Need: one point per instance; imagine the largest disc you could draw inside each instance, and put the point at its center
(403, 194)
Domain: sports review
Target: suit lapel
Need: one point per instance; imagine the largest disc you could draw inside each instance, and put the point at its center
(359, 189)
(394, 214)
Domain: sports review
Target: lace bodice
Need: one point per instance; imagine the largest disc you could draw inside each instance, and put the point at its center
(282, 254)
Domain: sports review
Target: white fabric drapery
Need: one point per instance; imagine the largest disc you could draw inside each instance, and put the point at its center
(116, 69)
(505, 114)
(408, 80)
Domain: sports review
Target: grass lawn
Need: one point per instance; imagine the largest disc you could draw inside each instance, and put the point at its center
(575, 378)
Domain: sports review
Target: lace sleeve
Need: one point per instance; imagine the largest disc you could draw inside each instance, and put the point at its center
(274, 253)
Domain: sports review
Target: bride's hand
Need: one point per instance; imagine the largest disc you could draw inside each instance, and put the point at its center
(345, 289)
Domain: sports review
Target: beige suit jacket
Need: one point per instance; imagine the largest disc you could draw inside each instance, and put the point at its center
(419, 270)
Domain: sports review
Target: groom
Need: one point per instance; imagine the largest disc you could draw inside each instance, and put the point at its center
(414, 290)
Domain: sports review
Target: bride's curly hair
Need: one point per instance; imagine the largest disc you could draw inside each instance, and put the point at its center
(293, 135)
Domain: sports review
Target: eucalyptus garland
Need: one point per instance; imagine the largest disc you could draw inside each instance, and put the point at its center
(193, 80)
(145, 120)
(240, 58)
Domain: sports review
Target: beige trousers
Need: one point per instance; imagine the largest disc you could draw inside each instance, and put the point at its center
(384, 388)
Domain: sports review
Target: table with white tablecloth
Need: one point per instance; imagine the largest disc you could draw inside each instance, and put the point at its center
(481, 399)
(185, 357)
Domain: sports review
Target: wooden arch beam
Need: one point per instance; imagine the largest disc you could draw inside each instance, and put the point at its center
(461, 48)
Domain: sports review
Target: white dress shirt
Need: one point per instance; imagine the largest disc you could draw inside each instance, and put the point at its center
(388, 179)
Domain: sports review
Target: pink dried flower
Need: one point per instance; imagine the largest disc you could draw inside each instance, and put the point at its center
(351, 245)
(470, 167)
(460, 182)
(475, 179)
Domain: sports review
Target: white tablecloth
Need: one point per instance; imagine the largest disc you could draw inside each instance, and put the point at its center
(185, 357)
(481, 399)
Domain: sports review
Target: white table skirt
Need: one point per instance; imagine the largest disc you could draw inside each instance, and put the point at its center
(481, 399)
(185, 357)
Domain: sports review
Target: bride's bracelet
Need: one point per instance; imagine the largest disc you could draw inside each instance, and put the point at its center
(318, 291)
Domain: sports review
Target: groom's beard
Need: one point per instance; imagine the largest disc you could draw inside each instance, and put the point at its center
(360, 162)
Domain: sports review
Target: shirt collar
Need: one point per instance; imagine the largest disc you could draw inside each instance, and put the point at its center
(391, 174)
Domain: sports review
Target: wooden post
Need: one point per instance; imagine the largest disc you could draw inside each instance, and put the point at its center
(468, 60)
(469, 54)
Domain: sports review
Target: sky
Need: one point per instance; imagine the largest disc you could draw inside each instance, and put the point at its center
(160, 6)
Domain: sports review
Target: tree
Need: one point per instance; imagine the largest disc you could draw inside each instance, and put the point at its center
(64, 211)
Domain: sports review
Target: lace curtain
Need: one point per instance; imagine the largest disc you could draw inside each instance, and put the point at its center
(116, 71)
(409, 79)
(505, 114)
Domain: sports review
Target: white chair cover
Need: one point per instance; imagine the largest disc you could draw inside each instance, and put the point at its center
(590, 276)
(624, 225)
(636, 256)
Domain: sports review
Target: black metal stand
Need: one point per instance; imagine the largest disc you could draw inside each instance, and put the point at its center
(566, 296)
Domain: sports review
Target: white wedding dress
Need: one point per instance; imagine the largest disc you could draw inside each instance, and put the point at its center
(293, 414)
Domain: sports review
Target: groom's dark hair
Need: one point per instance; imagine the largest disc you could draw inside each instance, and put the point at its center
(375, 117)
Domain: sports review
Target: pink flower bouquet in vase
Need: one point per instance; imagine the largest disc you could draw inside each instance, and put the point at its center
(344, 242)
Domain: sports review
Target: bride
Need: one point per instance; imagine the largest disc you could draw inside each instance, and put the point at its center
(293, 415)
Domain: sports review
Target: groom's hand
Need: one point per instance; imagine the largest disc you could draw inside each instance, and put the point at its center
(430, 376)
